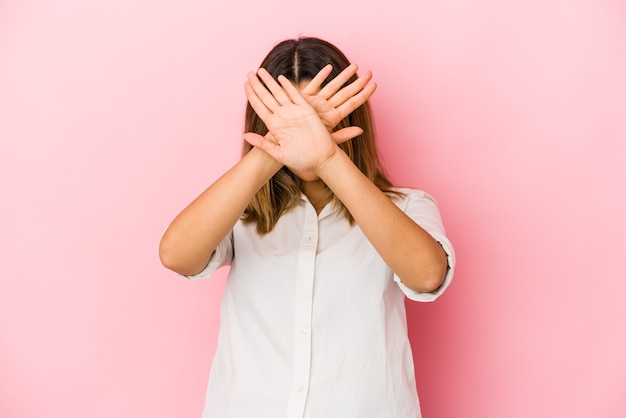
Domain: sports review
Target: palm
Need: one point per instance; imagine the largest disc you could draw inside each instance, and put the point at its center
(328, 114)
(303, 140)
(300, 140)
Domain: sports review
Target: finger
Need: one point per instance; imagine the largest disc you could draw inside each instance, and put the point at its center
(291, 90)
(262, 92)
(271, 138)
(313, 86)
(276, 90)
(356, 101)
(261, 143)
(257, 104)
(350, 90)
(346, 134)
(336, 83)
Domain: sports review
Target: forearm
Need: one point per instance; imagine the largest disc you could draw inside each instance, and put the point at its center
(409, 250)
(193, 235)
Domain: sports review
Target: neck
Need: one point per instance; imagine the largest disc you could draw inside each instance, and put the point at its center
(317, 193)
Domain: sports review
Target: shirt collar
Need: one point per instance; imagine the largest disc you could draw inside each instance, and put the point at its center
(328, 210)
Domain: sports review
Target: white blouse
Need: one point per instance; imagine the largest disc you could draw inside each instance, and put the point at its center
(313, 322)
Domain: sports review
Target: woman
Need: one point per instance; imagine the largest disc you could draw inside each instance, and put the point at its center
(322, 250)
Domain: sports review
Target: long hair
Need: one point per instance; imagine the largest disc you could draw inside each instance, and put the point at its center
(299, 60)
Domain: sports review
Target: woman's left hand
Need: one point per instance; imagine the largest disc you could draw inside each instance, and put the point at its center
(334, 101)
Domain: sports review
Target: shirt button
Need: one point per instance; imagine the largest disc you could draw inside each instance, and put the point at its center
(302, 331)
(309, 238)
(305, 279)
(301, 389)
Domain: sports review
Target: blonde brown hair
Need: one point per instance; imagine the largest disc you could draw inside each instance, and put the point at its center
(300, 60)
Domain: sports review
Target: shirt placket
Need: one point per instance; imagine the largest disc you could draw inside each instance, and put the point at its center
(303, 314)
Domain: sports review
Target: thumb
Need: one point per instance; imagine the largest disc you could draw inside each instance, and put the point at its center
(261, 142)
(346, 134)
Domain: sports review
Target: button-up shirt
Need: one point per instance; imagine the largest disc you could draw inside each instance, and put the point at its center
(313, 321)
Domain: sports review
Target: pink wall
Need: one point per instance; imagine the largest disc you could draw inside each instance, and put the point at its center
(114, 114)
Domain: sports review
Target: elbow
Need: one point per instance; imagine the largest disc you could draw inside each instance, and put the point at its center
(170, 258)
(431, 282)
(428, 278)
(179, 260)
(167, 256)
(425, 283)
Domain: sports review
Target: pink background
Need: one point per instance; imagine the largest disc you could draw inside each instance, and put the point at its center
(114, 114)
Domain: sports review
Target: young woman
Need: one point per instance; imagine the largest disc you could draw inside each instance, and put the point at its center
(322, 251)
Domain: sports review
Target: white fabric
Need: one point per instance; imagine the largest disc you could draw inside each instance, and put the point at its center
(313, 322)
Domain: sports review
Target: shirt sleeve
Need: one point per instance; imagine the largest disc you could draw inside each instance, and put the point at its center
(422, 208)
(222, 256)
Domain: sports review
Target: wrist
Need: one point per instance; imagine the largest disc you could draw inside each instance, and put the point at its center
(266, 165)
(327, 169)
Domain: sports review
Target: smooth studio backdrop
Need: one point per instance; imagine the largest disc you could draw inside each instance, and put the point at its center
(115, 114)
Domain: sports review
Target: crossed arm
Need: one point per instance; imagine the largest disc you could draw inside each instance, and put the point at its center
(302, 143)
(300, 125)
(191, 238)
